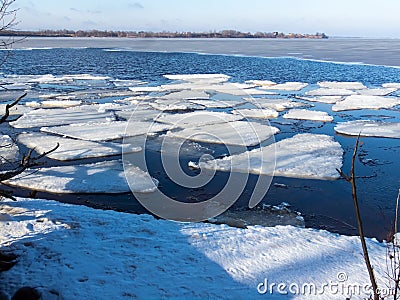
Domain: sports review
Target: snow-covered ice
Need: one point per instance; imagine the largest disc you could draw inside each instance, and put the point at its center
(83, 253)
(218, 103)
(330, 92)
(101, 177)
(175, 105)
(186, 95)
(240, 133)
(287, 86)
(145, 89)
(62, 116)
(71, 149)
(8, 150)
(305, 114)
(60, 103)
(342, 85)
(106, 131)
(276, 104)
(265, 113)
(395, 85)
(366, 102)
(377, 92)
(302, 156)
(261, 82)
(197, 118)
(369, 128)
(322, 99)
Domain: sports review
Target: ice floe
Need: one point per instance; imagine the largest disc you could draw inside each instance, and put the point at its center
(71, 149)
(365, 102)
(377, 92)
(287, 86)
(395, 85)
(369, 128)
(61, 116)
(60, 103)
(239, 133)
(265, 113)
(175, 105)
(330, 92)
(342, 85)
(305, 114)
(8, 150)
(302, 156)
(218, 103)
(197, 118)
(106, 131)
(276, 104)
(186, 95)
(322, 99)
(145, 89)
(264, 83)
(102, 177)
(197, 77)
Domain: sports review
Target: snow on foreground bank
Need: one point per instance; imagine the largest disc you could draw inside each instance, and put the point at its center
(85, 253)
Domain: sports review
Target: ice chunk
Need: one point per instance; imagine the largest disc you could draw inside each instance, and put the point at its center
(106, 131)
(395, 85)
(102, 177)
(365, 102)
(276, 104)
(330, 92)
(288, 86)
(369, 128)
(174, 105)
(305, 114)
(186, 95)
(62, 116)
(70, 149)
(302, 156)
(197, 118)
(127, 83)
(266, 113)
(322, 99)
(264, 83)
(240, 133)
(218, 103)
(377, 92)
(8, 150)
(342, 85)
(60, 103)
(145, 88)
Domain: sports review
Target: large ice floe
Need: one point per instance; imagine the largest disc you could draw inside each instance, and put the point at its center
(240, 133)
(322, 99)
(62, 116)
(197, 118)
(305, 155)
(287, 86)
(366, 102)
(175, 105)
(305, 114)
(71, 149)
(264, 113)
(330, 92)
(218, 103)
(101, 177)
(342, 85)
(369, 128)
(106, 131)
(276, 104)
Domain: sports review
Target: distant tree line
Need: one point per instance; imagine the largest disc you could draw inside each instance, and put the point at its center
(163, 34)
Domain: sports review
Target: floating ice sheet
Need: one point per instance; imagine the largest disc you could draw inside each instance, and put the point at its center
(218, 103)
(276, 104)
(287, 86)
(377, 92)
(322, 99)
(8, 150)
(102, 177)
(369, 128)
(302, 156)
(239, 133)
(330, 92)
(70, 149)
(342, 85)
(264, 83)
(186, 95)
(54, 117)
(265, 113)
(197, 118)
(106, 131)
(365, 102)
(145, 89)
(196, 77)
(174, 105)
(60, 103)
(395, 85)
(305, 114)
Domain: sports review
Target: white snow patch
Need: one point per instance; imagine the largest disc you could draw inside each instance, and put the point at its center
(365, 102)
(302, 156)
(240, 133)
(266, 113)
(342, 85)
(84, 253)
(106, 131)
(101, 177)
(197, 118)
(305, 114)
(369, 128)
(70, 149)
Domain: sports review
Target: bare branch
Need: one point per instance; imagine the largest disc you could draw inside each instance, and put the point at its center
(8, 106)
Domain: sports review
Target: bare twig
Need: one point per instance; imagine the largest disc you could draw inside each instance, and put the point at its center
(9, 106)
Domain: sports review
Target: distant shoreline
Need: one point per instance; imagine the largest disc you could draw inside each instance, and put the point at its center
(231, 34)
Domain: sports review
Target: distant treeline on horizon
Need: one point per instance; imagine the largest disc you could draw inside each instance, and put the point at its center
(163, 34)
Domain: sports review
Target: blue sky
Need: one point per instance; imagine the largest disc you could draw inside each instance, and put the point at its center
(368, 18)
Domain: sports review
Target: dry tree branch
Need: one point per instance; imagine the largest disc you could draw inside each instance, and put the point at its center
(352, 180)
(9, 106)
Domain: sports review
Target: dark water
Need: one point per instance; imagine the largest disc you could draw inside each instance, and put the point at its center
(325, 204)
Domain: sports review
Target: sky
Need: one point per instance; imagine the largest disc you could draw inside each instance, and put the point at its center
(363, 18)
